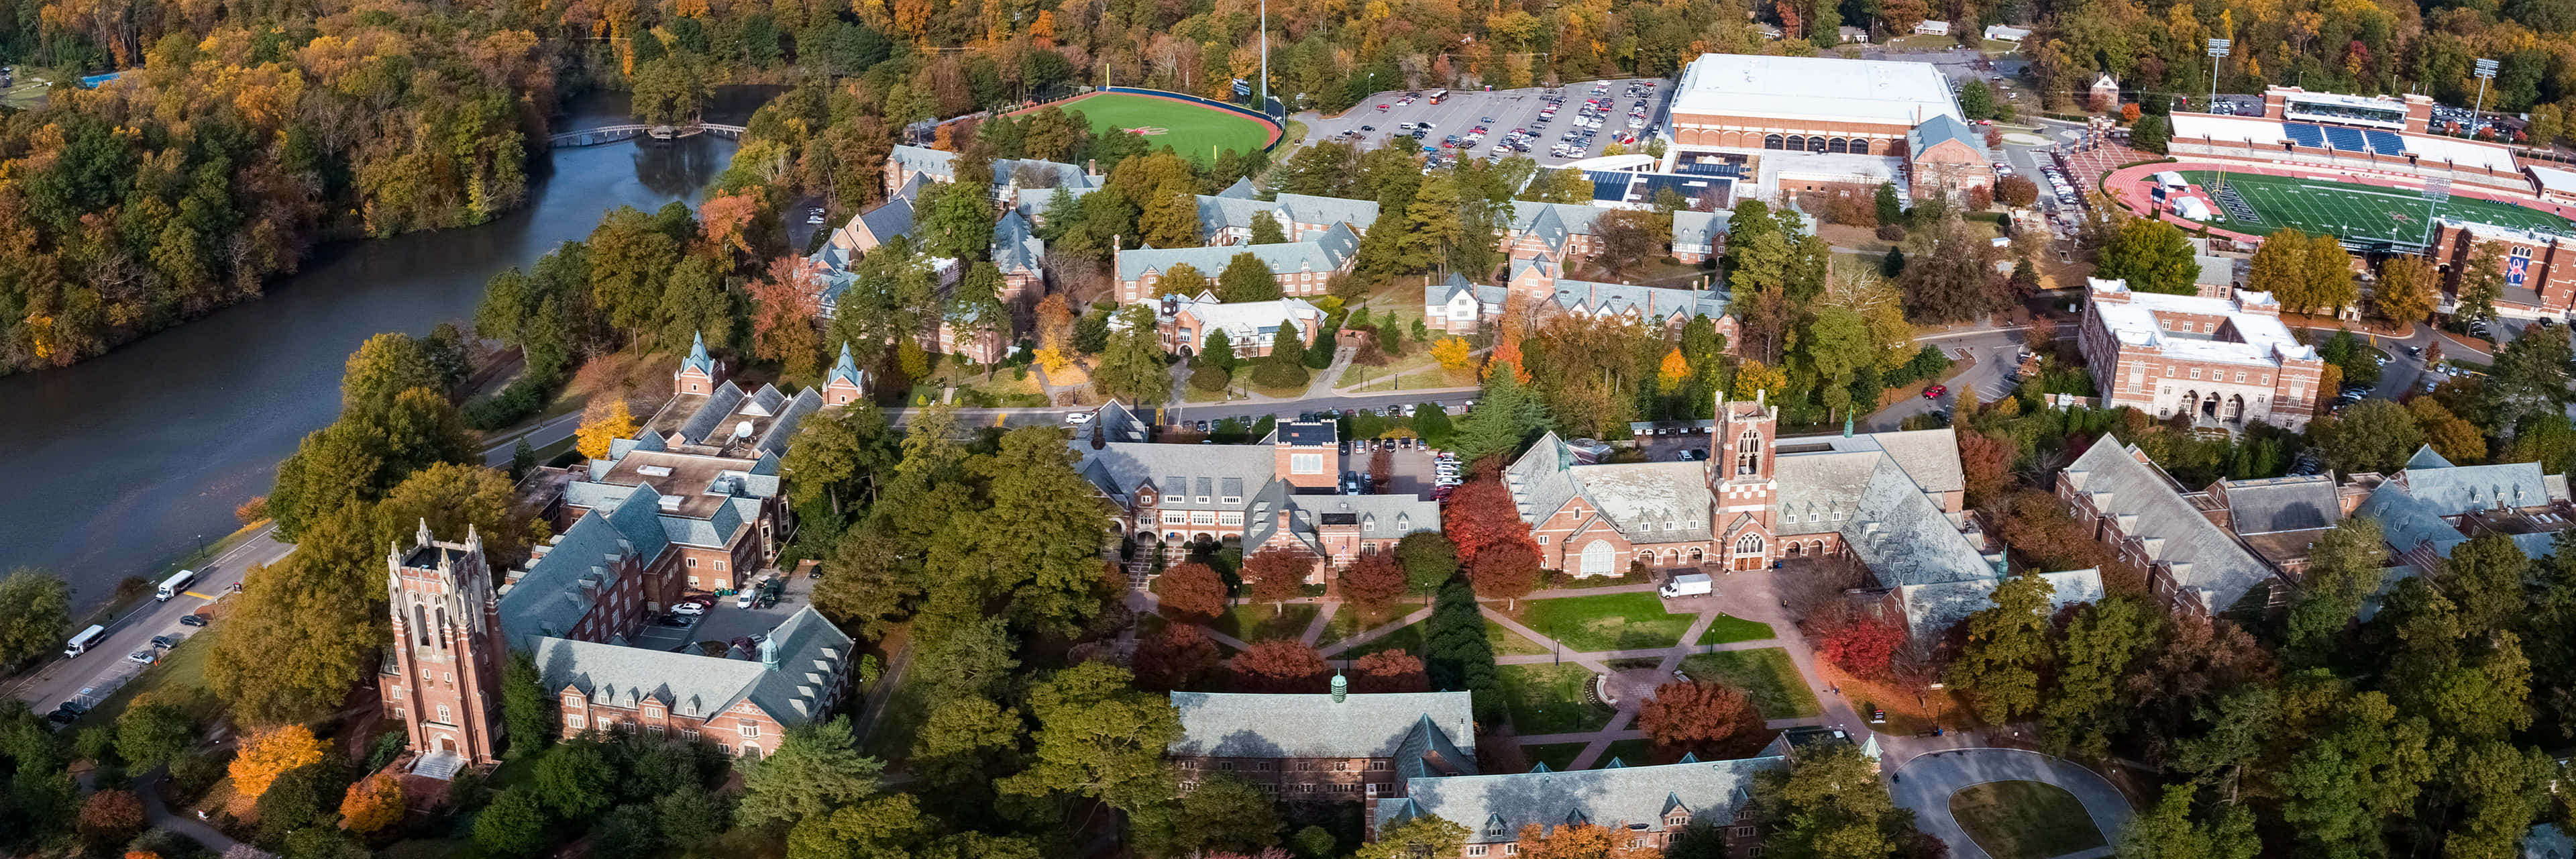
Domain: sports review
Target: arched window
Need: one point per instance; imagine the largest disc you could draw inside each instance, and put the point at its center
(1748, 453)
(1793, 550)
(1749, 544)
(1836, 145)
(442, 628)
(1815, 144)
(1859, 146)
(1771, 141)
(1597, 558)
(1797, 143)
(420, 623)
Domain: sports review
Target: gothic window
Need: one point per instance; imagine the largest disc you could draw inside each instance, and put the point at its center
(1597, 558)
(1750, 544)
(442, 628)
(420, 624)
(1748, 452)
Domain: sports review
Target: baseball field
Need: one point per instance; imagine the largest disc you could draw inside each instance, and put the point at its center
(1195, 130)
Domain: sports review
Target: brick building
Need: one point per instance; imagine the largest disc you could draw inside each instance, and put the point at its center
(2192, 563)
(1251, 326)
(1336, 746)
(1302, 268)
(2224, 361)
(1826, 110)
(2539, 268)
(1647, 806)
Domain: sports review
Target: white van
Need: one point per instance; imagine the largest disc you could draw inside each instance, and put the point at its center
(87, 639)
(175, 585)
(1688, 585)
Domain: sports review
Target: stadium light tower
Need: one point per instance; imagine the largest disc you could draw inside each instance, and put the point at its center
(2486, 71)
(1265, 58)
(2217, 51)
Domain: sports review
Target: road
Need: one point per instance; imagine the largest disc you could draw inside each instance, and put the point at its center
(1926, 782)
(65, 679)
(1245, 409)
(1996, 351)
(1515, 108)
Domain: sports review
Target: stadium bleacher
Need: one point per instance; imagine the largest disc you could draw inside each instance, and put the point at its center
(2346, 139)
(2385, 142)
(2304, 134)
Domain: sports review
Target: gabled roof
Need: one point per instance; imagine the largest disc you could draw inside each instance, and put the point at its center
(2282, 504)
(1327, 253)
(2425, 458)
(571, 572)
(2462, 488)
(1700, 228)
(698, 359)
(1495, 807)
(2202, 557)
(1904, 538)
(1242, 189)
(810, 656)
(1015, 247)
(888, 220)
(1931, 610)
(1941, 129)
(1650, 502)
(2407, 522)
(1229, 725)
(847, 369)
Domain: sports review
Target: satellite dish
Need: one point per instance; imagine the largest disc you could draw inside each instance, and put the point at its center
(742, 429)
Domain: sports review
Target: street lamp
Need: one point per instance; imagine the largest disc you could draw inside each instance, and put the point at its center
(2486, 71)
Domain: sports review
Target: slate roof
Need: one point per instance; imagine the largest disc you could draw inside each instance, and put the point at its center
(567, 574)
(1242, 188)
(1593, 298)
(1311, 209)
(847, 368)
(1015, 247)
(1553, 221)
(2282, 504)
(2203, 557)
(698, 359)
(1931, 610)
(1119, 467)
(1904, 538)
(1393, 515)
(2463, 488)
(1495, 807)
(1440, 292)
(888, 220)
(2425, 458)
(1327, 253)
(1542, 479)
(1651, 502)
(773, 415)
(2407, 521)
(811, 658)
(1942, 129)
(1703, 229)
(1230, 725)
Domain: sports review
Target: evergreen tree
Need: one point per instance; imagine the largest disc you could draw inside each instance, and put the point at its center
(2007, 646)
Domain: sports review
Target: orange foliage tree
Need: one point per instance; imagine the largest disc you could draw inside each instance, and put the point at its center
(724, 220)
(270, 753)
(1191, 593)
(1697, 718)
(1374, 582)
(782, 318)
(1581, 841)
(1389, 671)
(1277, 576)
(374, 803)
(1178, 656)
(1280, 666)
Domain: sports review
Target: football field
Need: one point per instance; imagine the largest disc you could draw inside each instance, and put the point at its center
(2360, 213)
(1194, 130)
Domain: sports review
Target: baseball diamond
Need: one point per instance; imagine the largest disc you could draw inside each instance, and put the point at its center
(1190, 129)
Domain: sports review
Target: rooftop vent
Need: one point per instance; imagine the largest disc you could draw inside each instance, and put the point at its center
(653, 470)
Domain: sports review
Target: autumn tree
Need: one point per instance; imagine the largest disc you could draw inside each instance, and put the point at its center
(1685, 717)
(1986, 460)
(1391, 670)
(1280, 666)
(374, 803)
(1175, 658)
(605, 420)
(2153, 256)
(35, 614)
(2007, 646)
(784, 306)
(1454, 354)
(265, 755)
(1190, 593)
(1863, 647)
(1480, 517)
(1374, 582)
(1277, 575)
(110, 816)
(1506, 572)
(2405, 291)
(1581, 840)
(1183, 279)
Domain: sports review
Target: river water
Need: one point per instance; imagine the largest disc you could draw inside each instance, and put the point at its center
(116, 465)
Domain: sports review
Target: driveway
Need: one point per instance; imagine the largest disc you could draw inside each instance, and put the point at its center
(1925, 784)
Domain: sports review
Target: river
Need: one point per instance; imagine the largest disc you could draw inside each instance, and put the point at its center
(128, 460)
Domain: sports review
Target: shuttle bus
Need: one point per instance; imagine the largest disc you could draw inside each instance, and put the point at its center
(84, 641)
(175, 584)
(1439, 95)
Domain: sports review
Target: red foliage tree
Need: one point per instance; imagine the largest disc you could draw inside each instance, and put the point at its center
(1280, 666)
(1505, 572)
(1863, 648)
(1178, 656)
(1389, 671)
(1697, 718)
(1987, 462)
(1374, 582)
(110, 816)
(1481, 516)
(1277, 575)
(1191, 593)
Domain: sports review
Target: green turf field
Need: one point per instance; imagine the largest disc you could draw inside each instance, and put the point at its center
(2360, 213)
(1188, 128)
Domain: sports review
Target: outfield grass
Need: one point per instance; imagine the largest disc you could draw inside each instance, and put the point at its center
(1628, 621)
(1728, 629)
(1767, 676)
(1548, 699)
(2024, 820)
(1256, 622)
(2357, 212)
(1188, 128)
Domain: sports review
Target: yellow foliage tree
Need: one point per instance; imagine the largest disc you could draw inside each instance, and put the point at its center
(602, 422)
(1675, 370)
(1755, 377)
(270, 753)
(1453, 354)
(374, 803)
(1052, 361)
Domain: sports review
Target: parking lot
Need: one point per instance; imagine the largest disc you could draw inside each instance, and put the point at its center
(1412, 471)
(725, 622)
(1508, 110)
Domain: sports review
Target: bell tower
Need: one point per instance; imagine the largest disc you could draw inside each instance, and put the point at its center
(1743, 477)
(448, 648)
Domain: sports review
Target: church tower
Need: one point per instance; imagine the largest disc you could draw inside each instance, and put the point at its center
(448, 650)
(1743, 477)
(699, 373)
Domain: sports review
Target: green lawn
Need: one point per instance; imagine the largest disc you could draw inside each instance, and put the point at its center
(1766, 675)
(1728, 629)
(1189, 129)
(1628, 621)
(1409, 638)
(2356, 212)
(2024, 820)
(1255, 622)
(181, 675)
(1548, 699)
(1348, 621)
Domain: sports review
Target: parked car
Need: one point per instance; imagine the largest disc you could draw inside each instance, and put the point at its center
(164, 641)
(1935, 391)
(1077, 417)
(141, 656)
(192, 620)
(689, 609)
(743, 600)
(1691, 455)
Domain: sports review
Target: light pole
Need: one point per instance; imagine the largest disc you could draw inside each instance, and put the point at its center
(1265, 57)
(2486, 71)
(2218, 49)
(2436, 191)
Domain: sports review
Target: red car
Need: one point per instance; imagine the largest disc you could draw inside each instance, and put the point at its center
(1381, 107)
(1935, 391)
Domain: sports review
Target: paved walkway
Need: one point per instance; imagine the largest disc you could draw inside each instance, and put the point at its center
(1925, 784)
(146, 787)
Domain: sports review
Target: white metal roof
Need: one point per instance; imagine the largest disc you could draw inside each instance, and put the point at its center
(1814, 89)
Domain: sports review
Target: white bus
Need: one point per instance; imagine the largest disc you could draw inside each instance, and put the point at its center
(84, 641)
(175, 584)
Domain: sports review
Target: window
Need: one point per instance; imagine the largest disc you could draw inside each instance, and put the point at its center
(1229, 518)
(719, 566)
(726, 749)
(750, 729)
(2195, 372)
(1744, 832)
(442, 714)
(1542, 539)
(1175, 517)
(693, 563)
(693, 581)
(1226, 766)
(750, 750)
(1305, 463)
(1203, 517)
(1513, 849)
(1341, 766)
(1598, 557)
(2240, 377)
(1748, 452)
(689, 734)
(2169, 371)
(654, 730)
(1379, 766)
(1306, 766)
(1475, 850)
(576, 722)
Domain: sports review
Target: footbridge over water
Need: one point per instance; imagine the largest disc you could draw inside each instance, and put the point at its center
(617, 133)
